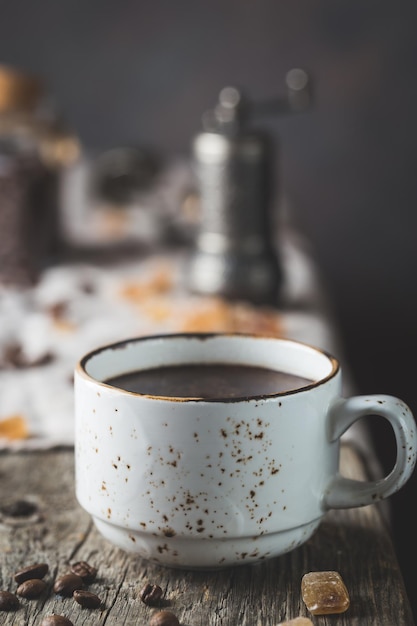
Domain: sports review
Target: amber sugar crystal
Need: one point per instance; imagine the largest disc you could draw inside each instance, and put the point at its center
(324, 593)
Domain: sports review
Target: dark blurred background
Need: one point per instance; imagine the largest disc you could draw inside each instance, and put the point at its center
(143, 72)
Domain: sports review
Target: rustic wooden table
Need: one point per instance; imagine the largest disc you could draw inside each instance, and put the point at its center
(41, 521)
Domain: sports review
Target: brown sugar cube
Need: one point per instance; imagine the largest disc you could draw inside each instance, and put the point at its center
(297, 621)
(324, 593)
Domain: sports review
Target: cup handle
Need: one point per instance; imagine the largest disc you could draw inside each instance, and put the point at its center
(342, 493)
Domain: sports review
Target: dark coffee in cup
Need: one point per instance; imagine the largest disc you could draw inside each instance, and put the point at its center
(208, 381)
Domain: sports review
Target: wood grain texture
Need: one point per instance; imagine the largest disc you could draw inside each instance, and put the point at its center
(354, 542)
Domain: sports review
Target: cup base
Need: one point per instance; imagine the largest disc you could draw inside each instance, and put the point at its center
(196, 553)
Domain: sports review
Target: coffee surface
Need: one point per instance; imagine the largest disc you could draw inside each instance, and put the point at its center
(217, 380)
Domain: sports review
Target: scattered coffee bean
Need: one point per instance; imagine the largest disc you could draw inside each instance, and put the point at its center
(38, 570)
(57, 310)
(66, 585)
(31, 588)
(150, 594)
(56, 620)
(83, 569)
(164, 618)
(19, 508)
(14, 357)
(8, 601)
(87, 287)
(86, 599)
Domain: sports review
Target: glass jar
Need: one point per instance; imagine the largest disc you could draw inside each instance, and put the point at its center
(35, 147)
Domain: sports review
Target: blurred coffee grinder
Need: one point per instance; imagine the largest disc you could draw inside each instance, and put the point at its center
(34, 148)
(235, 254)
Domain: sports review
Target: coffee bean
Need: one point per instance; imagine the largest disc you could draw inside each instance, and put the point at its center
(31, 588)
(85, 570)
(164, 618)
(19, 508)
(150, 594)
(66, 585)
(8, 601)
(86, 599)
(38, 570)
(14, 357)
(56, 620)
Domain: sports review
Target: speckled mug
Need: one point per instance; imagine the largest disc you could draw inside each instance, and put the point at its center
(198, 483)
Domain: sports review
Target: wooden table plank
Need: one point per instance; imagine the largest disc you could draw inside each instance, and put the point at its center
(355, 542)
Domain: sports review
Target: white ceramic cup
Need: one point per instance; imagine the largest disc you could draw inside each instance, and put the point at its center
(209, 483)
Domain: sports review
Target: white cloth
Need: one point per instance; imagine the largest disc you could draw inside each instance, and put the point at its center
(78, 306)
